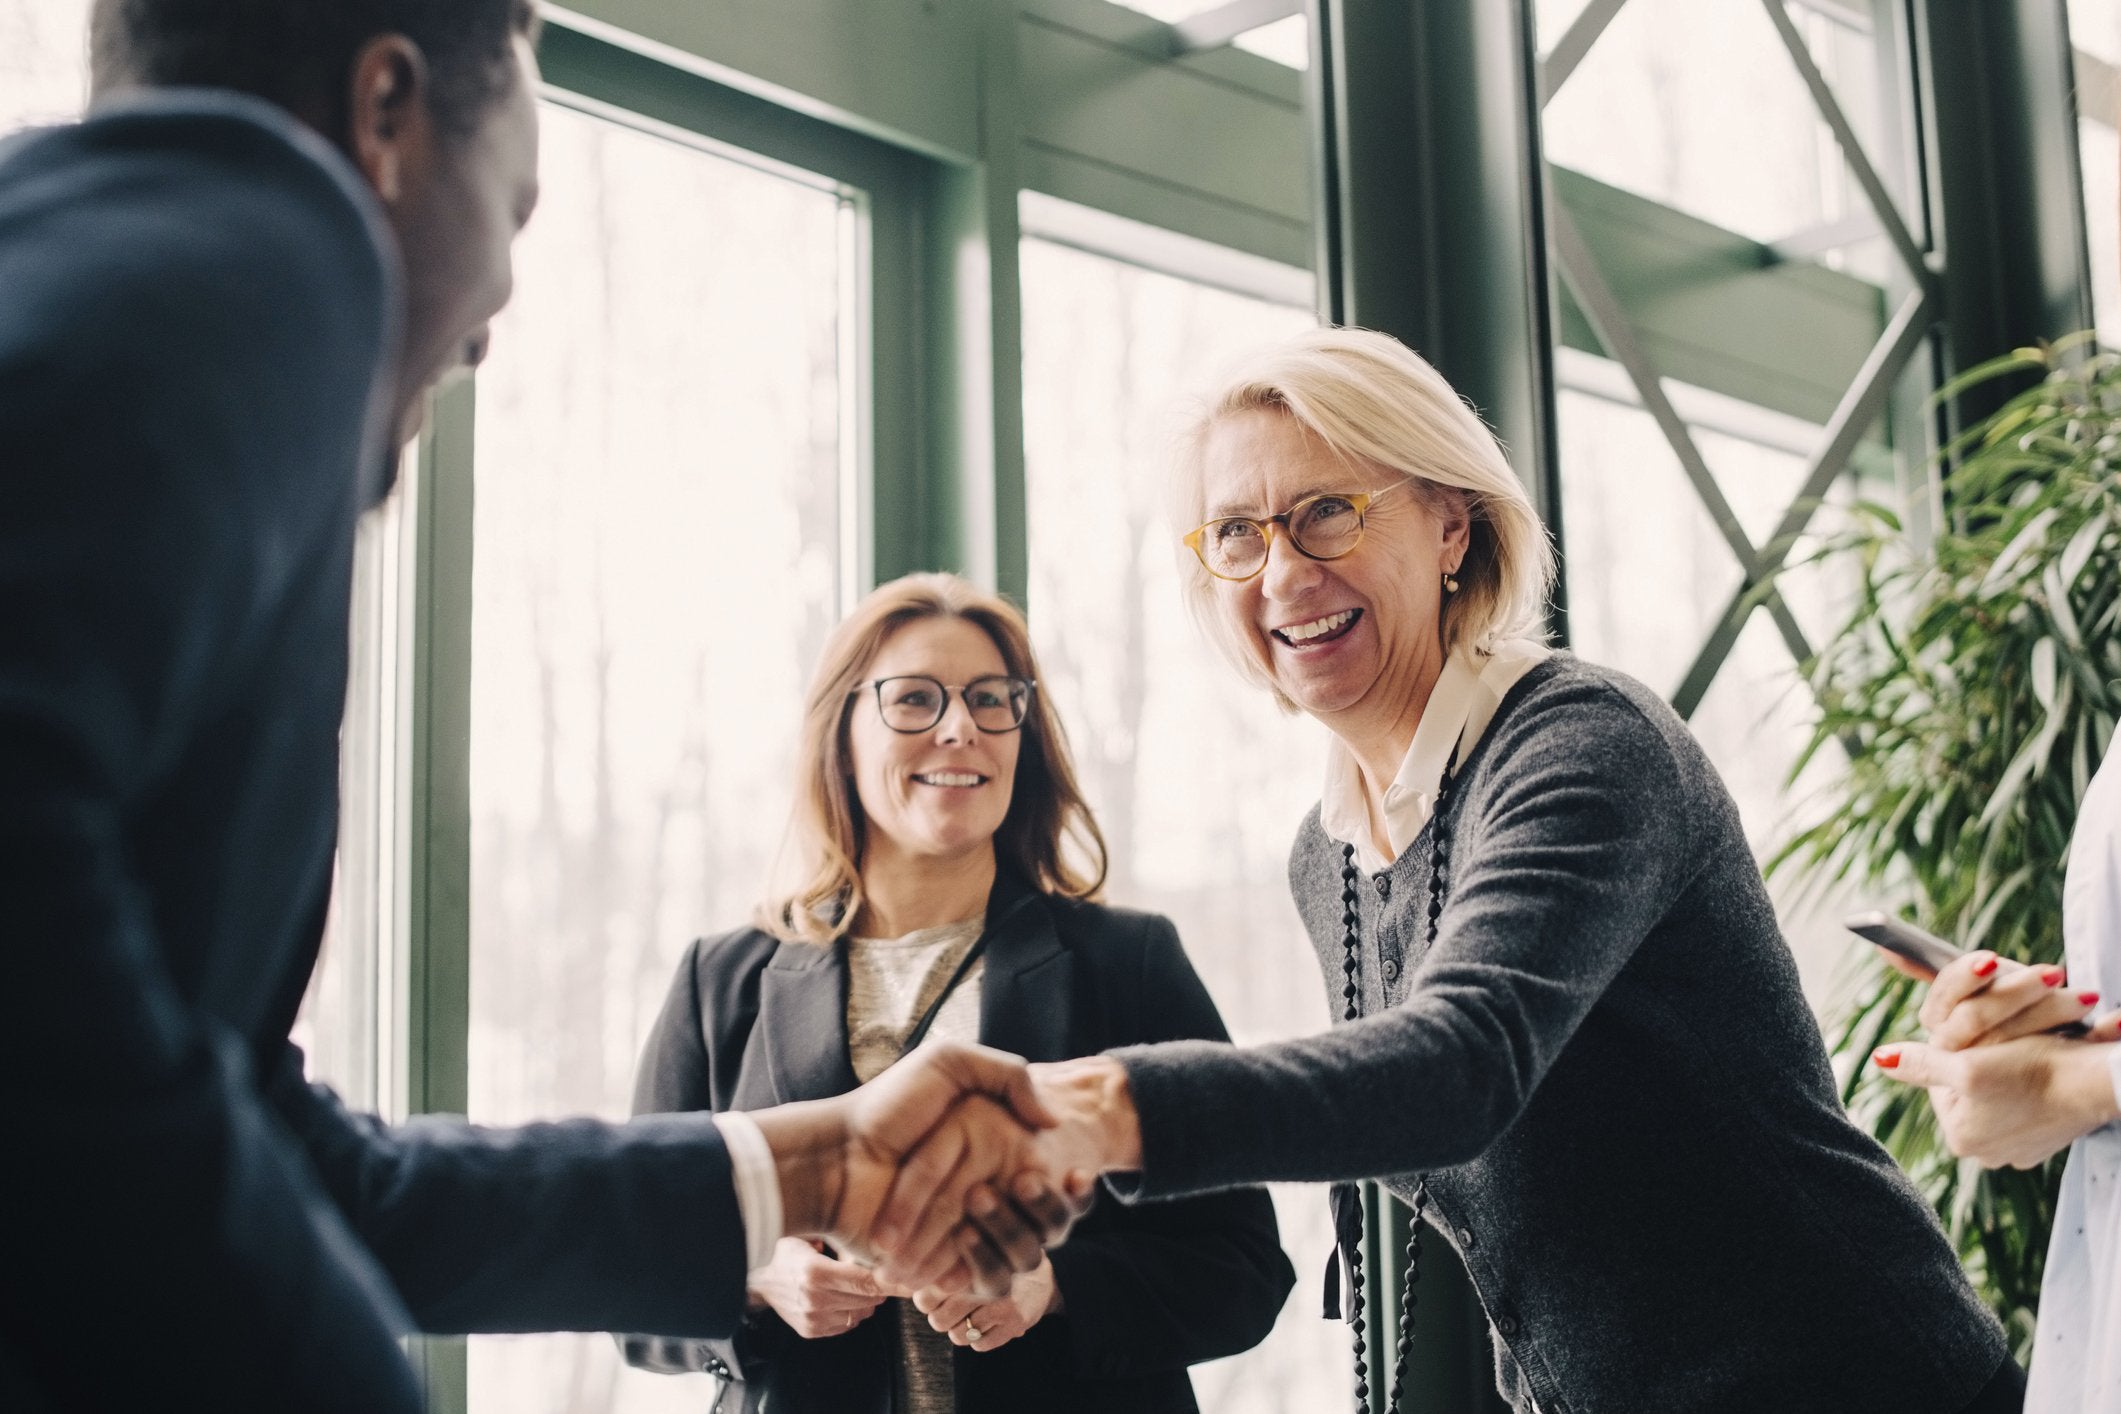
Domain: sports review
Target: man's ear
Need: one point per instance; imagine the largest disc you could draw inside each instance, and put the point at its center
(389, 121)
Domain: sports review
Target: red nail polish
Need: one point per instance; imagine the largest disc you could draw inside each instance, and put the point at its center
(1984, 967)
(1886, 1058)
(2052, 976)
(2087, 999)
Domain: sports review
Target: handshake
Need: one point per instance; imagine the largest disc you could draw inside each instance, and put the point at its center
(956, 1168)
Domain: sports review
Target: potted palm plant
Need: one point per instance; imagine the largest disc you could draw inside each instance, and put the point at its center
(1975, 686)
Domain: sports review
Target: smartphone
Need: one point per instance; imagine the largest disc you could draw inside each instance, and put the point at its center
(1924, 949)
(1900, 936)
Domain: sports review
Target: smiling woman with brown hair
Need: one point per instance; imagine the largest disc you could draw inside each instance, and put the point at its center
(941, 870)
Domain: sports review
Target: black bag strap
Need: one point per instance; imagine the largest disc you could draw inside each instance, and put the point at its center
(1347, 1204)
(919, 1033)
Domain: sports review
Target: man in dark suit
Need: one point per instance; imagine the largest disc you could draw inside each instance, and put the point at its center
(223, 299)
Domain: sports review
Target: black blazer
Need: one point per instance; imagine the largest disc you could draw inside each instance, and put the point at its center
(197, 301)
(752, 1021)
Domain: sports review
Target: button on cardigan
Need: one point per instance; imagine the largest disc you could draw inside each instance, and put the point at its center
(1607, 1070)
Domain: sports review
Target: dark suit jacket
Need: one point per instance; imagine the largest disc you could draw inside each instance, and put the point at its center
(751, 1021)
(197, 318)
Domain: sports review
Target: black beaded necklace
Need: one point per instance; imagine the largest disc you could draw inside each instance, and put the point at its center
(1351, 995)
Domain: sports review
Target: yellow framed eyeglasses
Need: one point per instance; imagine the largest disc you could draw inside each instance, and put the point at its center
(1321, 527)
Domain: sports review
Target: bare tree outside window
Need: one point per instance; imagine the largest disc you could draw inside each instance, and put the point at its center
(657, 542)
(2095, 33)
(1198, 779)
(43, 62)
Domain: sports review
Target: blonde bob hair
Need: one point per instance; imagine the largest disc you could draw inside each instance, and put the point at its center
(1371, 399)
(1049, 835)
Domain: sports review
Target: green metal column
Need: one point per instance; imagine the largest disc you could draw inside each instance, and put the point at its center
(1429, 216)
(438, 746)
(2004, 186)
(972, 375)
(436, 976)
(1430, 201)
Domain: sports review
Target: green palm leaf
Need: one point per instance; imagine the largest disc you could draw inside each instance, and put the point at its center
(1976, 682)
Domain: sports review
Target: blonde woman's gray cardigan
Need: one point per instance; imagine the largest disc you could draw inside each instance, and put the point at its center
(1607, 1071)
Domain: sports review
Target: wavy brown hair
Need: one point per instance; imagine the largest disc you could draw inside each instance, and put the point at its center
(1049, 835)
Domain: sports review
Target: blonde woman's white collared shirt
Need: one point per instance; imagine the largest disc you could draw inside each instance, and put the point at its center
(1467, 693)
(2077, 1349)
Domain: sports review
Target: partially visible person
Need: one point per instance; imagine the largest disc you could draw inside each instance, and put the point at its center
(944, 868)
(1573, 1036)
(2009, 1094)
(223, 299)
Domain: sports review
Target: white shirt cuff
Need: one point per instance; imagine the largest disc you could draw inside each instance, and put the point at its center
(2113, 1064)
(758, 1186)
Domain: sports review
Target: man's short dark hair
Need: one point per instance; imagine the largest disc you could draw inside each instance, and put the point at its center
(300, 53)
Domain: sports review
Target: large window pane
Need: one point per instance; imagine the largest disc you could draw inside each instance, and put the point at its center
(2095, 28)
(347, 1026)
(655, 565)
(43, 61)
(2095, 33)
(1649, 575)
(1198, 781)
(1701, 107)
(1696, 104)
(2100, 153)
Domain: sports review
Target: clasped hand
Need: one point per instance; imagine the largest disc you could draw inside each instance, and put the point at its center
(820, 1295)
(929, 1174)
(2006, 1090)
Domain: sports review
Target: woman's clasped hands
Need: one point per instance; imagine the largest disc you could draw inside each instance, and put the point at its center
(989, 1325)
(817, 1293)
(2007, 1089)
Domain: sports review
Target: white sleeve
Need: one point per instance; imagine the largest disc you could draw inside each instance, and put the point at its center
(758, 1186)
(2091, 893)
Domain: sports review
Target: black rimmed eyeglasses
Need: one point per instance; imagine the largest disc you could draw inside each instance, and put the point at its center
(916, 704)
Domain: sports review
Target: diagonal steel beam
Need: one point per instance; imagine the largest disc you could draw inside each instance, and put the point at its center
(1568, 51)
(1851, 148)
(1213, 29)
(1860, 407)
(1579, 269)
(1778, 609)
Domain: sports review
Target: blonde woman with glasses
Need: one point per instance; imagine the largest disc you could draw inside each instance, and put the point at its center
(943, 871)
(1573, 1037)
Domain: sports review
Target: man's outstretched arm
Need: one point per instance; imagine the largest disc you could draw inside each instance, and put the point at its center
(586, 1225)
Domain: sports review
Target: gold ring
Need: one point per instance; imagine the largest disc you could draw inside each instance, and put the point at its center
(972, 1330)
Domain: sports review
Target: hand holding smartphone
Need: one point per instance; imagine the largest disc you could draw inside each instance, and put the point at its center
(1896, 935)
(1924, 949)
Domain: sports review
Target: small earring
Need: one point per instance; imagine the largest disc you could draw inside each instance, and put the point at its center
(1450, 583)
